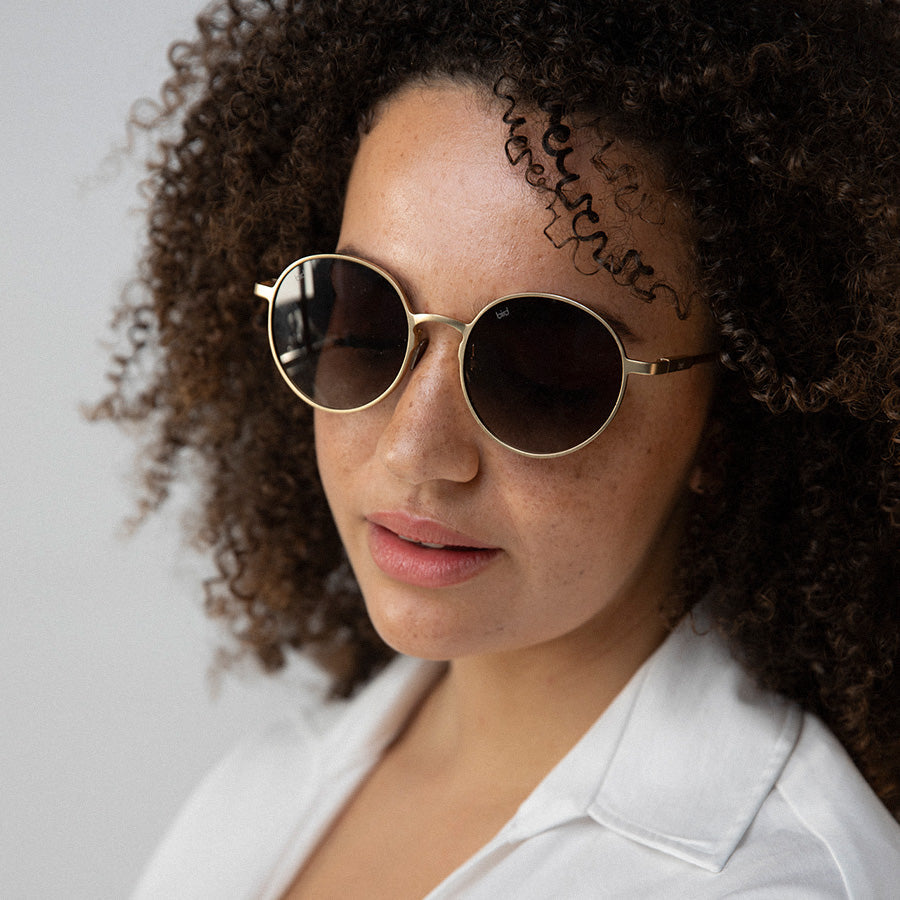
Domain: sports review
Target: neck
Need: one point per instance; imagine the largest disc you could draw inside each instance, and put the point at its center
(516, 714)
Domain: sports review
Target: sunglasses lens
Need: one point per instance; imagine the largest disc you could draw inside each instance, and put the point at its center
(542, 375)
(339, 331)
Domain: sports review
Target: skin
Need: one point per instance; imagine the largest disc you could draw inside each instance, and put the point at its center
(542, 638)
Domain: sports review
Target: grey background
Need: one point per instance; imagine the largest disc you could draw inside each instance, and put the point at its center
(107, 712)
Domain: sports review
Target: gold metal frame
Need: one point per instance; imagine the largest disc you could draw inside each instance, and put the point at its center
(415, 321)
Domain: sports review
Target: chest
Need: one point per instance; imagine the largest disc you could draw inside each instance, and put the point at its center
(399, 837)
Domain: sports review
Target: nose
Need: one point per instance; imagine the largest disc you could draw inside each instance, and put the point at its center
(431, 435)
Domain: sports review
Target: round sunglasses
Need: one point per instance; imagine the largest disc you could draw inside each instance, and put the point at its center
(542, 374)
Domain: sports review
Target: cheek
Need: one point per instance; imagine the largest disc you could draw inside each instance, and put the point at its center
(326, 441)
(624, 489)
(346, 455)
(338, 445)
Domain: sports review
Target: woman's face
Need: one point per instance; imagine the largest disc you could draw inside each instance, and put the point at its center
(576, 550)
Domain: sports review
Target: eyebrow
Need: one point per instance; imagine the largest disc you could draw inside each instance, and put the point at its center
(620, 328)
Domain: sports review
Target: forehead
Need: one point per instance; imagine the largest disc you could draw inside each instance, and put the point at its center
(432, 195)
(435, 157)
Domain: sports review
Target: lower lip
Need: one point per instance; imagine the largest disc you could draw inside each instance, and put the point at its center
(425, 566)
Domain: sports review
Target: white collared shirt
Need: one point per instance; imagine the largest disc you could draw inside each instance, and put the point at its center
(693, 784)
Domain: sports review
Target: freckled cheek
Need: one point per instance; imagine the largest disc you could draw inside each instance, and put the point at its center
(612, 495)
(342, 440)
(336, 455)
(326, 441)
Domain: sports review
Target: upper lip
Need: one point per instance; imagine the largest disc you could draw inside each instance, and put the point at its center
(424, 530)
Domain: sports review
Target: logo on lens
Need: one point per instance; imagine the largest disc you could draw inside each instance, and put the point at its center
(502, 312)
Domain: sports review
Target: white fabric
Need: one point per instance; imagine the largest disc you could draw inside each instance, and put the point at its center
(693, 784)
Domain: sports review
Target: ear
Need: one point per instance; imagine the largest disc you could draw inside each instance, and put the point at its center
(697, 480)
(708, 472)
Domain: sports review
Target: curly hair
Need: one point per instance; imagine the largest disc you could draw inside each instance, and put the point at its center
(779, 123)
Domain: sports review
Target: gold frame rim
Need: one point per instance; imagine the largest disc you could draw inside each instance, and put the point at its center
(660, 366)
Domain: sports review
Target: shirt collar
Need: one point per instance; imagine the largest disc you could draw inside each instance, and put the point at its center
(681, 761)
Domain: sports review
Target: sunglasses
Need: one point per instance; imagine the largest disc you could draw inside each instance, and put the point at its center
(542, 374)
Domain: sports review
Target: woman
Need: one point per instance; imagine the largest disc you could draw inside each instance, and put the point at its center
(622, 614)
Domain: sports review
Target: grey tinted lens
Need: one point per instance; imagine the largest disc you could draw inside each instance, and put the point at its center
(339, 330)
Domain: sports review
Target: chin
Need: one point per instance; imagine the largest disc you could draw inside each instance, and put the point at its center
(416, 624)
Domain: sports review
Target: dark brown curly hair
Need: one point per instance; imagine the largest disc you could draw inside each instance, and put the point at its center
(777, 120)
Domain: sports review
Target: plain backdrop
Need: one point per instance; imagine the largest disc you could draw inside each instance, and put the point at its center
(107, 713)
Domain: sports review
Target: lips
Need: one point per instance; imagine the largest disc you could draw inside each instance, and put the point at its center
(424, 553)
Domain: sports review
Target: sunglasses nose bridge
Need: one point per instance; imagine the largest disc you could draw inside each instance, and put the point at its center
(419, 319)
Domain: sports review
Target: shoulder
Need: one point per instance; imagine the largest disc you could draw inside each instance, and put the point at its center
(271, 791)
(741, 785)
(819, 832)
(822, 803)
(233, 817)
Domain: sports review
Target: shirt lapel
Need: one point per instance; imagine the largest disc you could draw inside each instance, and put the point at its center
(702, 749)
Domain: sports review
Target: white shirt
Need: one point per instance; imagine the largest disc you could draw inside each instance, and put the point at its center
(693, 784)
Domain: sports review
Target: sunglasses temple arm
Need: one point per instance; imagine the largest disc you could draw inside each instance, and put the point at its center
(266, 291)
(664, 365)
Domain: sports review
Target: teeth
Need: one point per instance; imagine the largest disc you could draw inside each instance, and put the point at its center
(423, 543)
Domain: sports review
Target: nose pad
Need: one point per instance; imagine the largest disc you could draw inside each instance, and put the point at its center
(418, 351)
